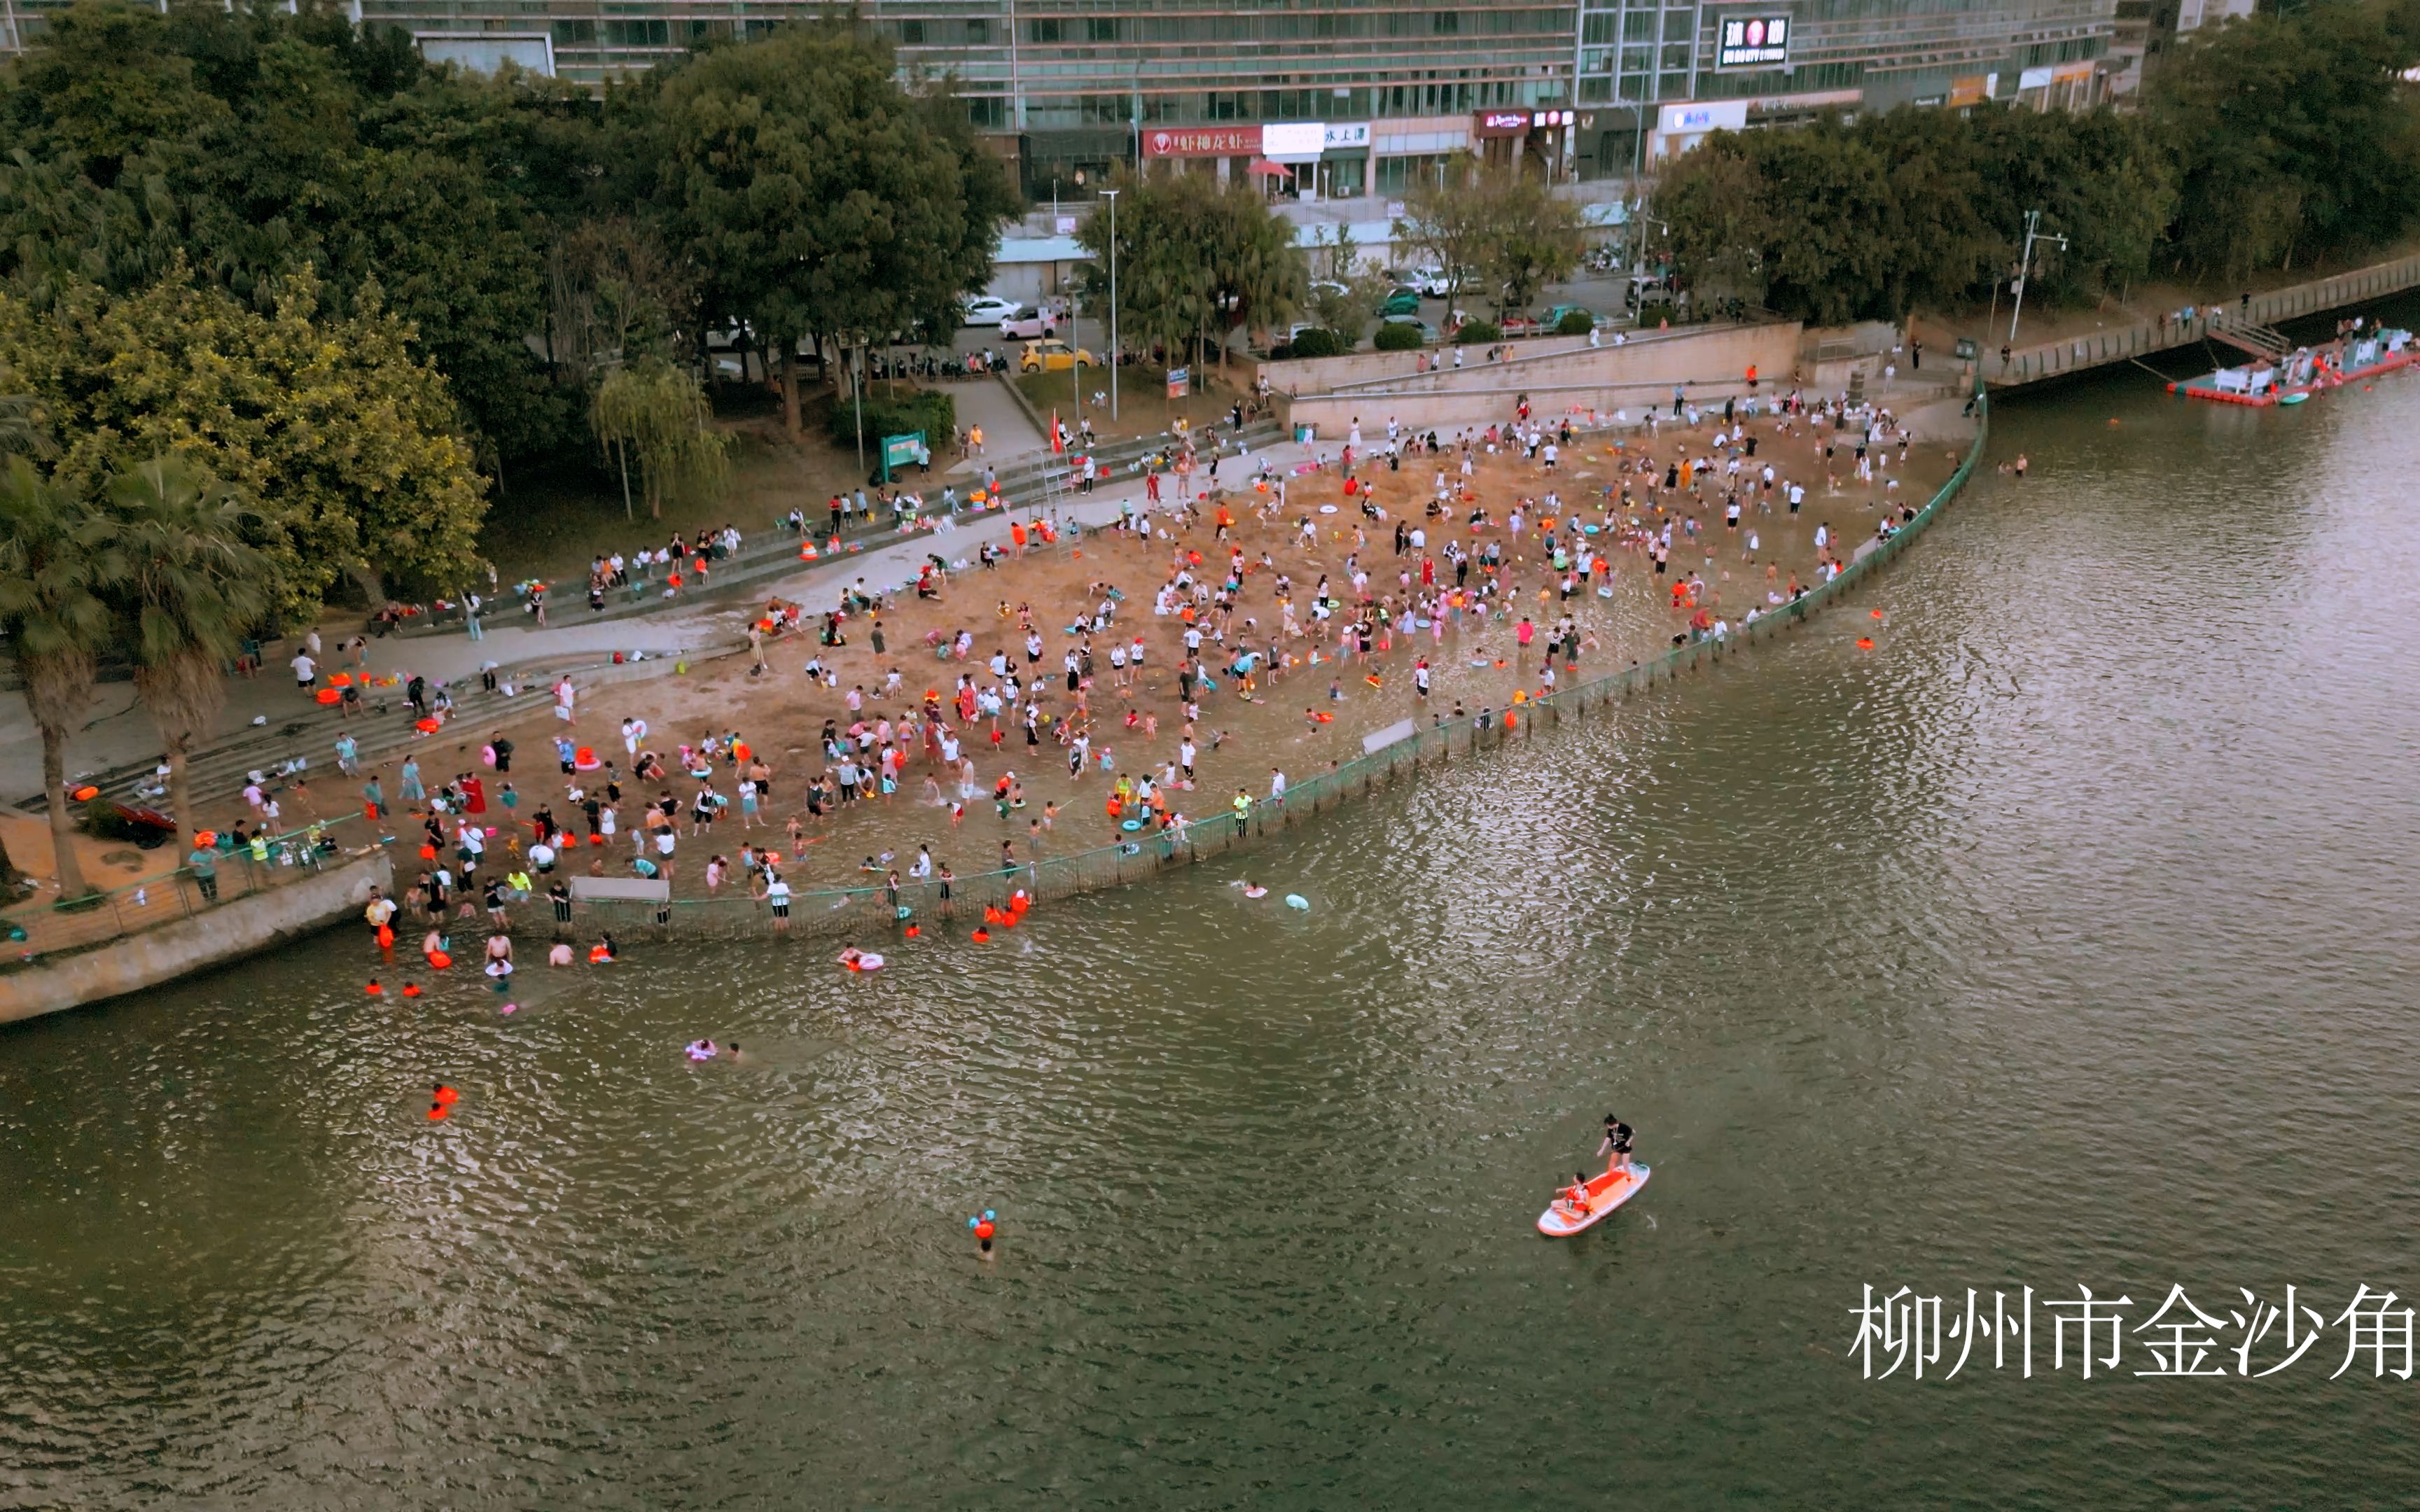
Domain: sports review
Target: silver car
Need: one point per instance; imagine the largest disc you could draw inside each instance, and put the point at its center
(1027, 323)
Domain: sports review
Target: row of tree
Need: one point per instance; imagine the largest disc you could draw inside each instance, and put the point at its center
(2265, 143)
(364, 292)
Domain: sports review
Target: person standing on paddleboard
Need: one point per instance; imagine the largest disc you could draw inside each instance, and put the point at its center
(1617, 1144)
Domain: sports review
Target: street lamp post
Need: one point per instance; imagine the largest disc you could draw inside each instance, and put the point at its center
(1112, 196)
(2025, 267)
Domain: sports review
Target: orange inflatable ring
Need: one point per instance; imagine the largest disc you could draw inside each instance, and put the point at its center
(427, 726)
(85, 793)
(585, 758)
(981, 936)
(329, 695)
(439, 960)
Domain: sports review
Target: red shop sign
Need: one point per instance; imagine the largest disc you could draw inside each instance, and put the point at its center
(1203, 142)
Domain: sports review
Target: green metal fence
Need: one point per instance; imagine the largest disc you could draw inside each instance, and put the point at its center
(164, 897)
(847, 910)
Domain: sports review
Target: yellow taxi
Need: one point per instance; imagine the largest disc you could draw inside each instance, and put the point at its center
(1053, 356)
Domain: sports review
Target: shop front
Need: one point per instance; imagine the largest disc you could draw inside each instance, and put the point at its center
(1228, 151)
(1543, 140)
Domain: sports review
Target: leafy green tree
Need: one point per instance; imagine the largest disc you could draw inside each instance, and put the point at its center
(56, 558)
(1195, 259)
(340, 439)
(819, 198)
(1534, 236)
(2291, 135)
(190, 590)
(1447, 223)
(659, 412)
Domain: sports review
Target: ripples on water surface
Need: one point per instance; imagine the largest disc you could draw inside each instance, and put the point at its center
(2065, 937)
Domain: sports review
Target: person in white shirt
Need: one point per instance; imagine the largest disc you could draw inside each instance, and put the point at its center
(306, 671)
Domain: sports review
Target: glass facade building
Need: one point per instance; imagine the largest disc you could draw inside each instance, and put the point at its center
(1339, 98)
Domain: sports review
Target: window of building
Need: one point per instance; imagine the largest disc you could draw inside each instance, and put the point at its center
(1397, 175)
(912, 33)
(1638, 26)
(1445, 23)
(978, 30)
(1100, 28)
(1047, 29)
(1679, 25)
(575, 33)
(656, 33)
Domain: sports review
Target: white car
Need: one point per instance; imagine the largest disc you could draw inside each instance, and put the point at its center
(986, 310)
(1026, 323)
(1431, 282)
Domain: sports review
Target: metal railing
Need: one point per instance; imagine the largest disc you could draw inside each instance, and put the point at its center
(837, 911)
(35, 929)
(2075, 354)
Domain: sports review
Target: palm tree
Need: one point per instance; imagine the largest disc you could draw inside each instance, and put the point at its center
(190, 590)
(54, 561)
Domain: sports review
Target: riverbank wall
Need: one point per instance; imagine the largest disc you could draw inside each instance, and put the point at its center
(241, 927)
(873, 913)
(1565, 376)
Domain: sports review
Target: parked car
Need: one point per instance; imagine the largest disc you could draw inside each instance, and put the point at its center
(1428, 332)
(1555, 316)
(1431, 282)
(1027, 323)
(986, 310)
(1052, 356)
(1520, 323)
(1405, 300)
(1328, 285)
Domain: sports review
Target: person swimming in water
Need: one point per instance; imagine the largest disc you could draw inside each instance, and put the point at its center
(701, 1050)
(1615, 1147)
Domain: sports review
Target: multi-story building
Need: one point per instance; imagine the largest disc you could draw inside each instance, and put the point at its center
(1345, 97)
(2148, 30)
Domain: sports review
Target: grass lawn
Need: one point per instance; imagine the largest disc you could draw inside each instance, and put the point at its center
(557, 518)
(1143, 406)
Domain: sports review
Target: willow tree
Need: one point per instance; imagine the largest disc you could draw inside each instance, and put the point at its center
(190, 590)
(659, 412)
(54, 560)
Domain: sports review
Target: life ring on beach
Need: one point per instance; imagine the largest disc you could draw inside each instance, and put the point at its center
(585, 758)
(1323, 716)
(329, 695)
(1256, 892)
(439, 960)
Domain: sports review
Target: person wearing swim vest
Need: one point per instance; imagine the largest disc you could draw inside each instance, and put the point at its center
(1576, 1195)
(1243, 807)
(1617, 1146)
(260, 847)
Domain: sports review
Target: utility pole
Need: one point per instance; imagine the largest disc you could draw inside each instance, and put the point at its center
(1112, 196)
(2025, 267)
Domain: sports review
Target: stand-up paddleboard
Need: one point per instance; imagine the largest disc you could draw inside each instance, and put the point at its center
(1606, 1194)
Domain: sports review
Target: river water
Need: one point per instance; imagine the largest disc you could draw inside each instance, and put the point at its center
(2063, 939)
